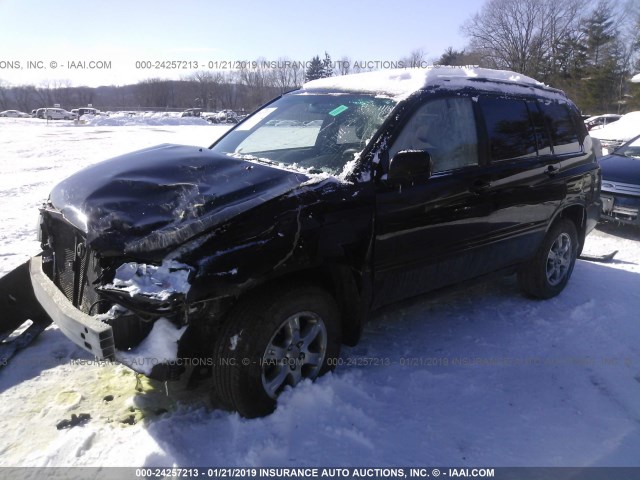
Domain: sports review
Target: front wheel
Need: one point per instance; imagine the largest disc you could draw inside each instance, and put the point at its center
(271, 341)
(547, 274)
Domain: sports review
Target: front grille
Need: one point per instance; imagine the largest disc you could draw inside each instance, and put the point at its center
(621, 188)
(64, 255)
(75, 268)
(89, 297)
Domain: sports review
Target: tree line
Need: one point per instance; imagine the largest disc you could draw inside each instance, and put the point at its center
(589, 48)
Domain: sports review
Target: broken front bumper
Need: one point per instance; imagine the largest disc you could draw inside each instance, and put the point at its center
(84, 330)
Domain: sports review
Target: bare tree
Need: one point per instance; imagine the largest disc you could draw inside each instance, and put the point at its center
(4, 95)
(285, 75)
(417, 58)
(259, 83)
(25, 97)
(156, 93)
(208, 86)
(344, 66)
(61, 92)
(229, 91)
(84, 95)
(45, 94)
(522, 35)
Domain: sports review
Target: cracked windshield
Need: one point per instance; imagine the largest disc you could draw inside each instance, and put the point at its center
(318, 133)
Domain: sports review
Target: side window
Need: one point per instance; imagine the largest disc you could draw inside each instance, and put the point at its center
(511, 133)
(540, 127)
(444, 127)
(563, 132)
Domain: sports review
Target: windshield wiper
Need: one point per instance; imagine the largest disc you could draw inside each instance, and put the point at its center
(253, 158)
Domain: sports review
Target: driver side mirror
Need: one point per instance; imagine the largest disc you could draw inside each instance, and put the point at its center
(410, 166)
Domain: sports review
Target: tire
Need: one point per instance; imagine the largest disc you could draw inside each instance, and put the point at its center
(547, 274)
(272, 340)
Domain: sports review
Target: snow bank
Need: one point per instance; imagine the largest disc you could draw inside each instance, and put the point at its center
(134, 118)
(161, 345)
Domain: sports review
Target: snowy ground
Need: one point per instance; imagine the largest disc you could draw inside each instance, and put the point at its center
(478, 376)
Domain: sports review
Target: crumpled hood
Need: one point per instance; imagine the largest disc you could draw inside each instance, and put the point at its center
(159, 197)
(618, 168)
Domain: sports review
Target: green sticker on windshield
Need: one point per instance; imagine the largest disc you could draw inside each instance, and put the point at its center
(338, 110)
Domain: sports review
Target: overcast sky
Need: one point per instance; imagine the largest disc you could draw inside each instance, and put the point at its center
(123, 32)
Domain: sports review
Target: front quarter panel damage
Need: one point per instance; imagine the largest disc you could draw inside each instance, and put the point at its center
(312, 226)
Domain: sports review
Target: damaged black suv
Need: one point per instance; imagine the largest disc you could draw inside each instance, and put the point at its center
(255, 259)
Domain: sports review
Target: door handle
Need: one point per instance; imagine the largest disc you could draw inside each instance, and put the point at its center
(552, 170)
(480, 186)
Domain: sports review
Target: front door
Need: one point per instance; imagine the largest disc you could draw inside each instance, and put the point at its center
(428, 233)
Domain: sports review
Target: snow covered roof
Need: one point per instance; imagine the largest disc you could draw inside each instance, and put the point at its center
(636, 78)
(403, 82)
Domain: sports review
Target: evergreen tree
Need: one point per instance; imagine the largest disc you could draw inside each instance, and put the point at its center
(327, 67)
(319, 68)
(602, 72)
(315, 69)
(452, 57)
(600, 32)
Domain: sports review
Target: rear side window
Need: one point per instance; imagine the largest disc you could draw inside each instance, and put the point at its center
(542, 133)
(564, 135)
(509, 127)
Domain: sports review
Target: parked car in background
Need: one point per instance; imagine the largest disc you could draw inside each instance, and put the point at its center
(57, 114)
(39, 113)
(14, 114)
(616, 134)
(86, 111)
(599, 121)
(223, 116)
(191, 112)
(621, 183)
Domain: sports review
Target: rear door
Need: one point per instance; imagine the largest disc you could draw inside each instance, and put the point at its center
(523, 181)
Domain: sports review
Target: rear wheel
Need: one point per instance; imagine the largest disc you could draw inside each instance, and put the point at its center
(272, 341)
(547, 274)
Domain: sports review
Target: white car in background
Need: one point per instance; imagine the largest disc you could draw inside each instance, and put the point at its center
(599, 121)
(615, 134)
(57, 114)
(14, 114)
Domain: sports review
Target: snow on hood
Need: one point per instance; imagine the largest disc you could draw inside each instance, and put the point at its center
(624, 129)
(403, 82)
